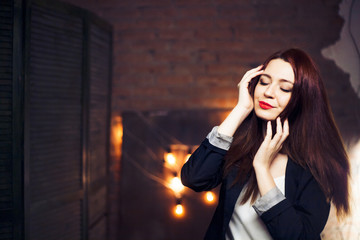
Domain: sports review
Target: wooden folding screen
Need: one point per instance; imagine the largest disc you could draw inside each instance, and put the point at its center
(10, 178)
(62, 114)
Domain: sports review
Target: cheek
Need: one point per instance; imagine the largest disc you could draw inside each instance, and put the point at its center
(284, 100)
(257, 91)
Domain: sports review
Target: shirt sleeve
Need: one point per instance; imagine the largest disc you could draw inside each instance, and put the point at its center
(219, 140)
(270, 199)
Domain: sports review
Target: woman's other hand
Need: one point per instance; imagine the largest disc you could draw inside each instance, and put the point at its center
(267, 153)
(271, 146)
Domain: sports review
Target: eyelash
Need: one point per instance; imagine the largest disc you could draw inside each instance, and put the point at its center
(263, 83)
(285, 90)
(282, 89)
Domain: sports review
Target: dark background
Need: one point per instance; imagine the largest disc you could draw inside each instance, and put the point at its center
(166, 72)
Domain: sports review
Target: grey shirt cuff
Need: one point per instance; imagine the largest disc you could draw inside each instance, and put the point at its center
(270, 199)
(219, 140)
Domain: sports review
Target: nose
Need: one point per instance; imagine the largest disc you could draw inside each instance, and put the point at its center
(269, 92)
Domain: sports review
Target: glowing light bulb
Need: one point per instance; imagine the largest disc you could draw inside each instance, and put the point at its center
(170, 158)
(116, 136)
(209, 197)
(179, 210)
(176, 185)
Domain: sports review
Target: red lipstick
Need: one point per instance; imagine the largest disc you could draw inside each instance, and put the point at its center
(265, 105)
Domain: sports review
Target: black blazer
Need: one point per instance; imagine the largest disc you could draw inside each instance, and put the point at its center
(302, 215)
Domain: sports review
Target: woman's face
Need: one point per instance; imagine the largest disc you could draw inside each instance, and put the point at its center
(273, 91)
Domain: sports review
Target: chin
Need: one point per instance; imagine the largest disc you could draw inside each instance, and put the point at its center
(266, 115)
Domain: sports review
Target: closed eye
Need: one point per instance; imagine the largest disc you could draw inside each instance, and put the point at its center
(263, 82)
(286, 90)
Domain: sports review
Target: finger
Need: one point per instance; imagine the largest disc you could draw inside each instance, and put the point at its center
(253, 70)
(268, 131)
(285, 130)
(285, 133)
(250, 75)
(279, 130)
(286, 127)
(277, 137)
(278, 125)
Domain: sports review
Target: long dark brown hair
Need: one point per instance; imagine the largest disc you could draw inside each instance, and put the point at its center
(314, 141)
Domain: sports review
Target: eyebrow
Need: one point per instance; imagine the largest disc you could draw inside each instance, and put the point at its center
(281, 80)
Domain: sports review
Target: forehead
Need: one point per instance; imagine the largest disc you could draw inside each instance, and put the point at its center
(278, 69)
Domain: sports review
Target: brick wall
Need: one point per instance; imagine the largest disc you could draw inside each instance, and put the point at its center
(190, 54)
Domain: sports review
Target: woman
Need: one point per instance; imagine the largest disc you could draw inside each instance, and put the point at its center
(278, 155)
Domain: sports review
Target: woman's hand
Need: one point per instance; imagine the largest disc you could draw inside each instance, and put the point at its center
(271, 146)
(267, 152)
(245, 100)
(244, 106)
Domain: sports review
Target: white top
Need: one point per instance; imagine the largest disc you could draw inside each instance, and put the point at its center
(245, 223)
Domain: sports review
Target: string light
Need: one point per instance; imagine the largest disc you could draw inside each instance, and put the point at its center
(179, 210)
(174, 157)
(209, 197)
(116, 136)
(170, 158)
(176, 185)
